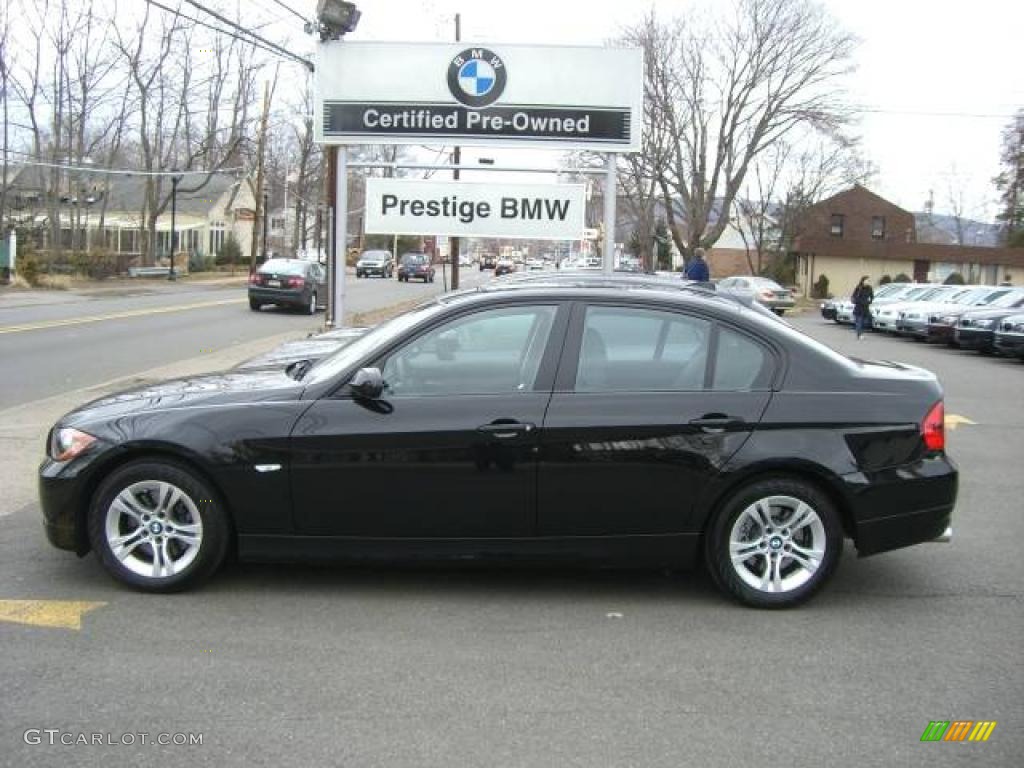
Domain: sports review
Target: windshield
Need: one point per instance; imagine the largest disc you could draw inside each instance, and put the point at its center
(330, 366)
(374, 256)
(1009, 299)
(283, 267)
(990, 296)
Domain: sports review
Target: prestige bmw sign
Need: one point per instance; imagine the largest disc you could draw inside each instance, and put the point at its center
(510, 95)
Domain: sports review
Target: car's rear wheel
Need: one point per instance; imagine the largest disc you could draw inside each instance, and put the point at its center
(254, 305)
(774, 543)
(158, 527)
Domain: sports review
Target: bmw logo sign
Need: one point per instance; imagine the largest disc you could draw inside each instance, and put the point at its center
(477, 77)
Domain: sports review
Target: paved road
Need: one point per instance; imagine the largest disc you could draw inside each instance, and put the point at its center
(52, 342)
(280, 665)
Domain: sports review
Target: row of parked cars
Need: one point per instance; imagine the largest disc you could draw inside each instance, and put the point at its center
(982, 317)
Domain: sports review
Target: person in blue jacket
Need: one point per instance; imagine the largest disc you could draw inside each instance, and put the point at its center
(697, 269)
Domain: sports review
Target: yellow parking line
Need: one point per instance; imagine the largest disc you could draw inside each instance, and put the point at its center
(954, 420)
(115, 316)
(60, 614)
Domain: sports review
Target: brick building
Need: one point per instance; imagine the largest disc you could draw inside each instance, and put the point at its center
(856, 233)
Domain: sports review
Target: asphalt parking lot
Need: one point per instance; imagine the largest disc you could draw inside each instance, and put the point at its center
(282, 665)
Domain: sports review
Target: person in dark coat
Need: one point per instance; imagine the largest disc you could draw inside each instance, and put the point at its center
(697, 269)
(862, 297)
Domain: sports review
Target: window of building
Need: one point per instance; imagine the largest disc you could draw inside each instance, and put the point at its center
(837, 225)
(878, 227)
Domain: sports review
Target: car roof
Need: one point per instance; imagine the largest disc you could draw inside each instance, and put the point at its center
(576, 284)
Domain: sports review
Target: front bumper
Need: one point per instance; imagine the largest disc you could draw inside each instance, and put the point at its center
(942, 333)
(975, 338)
(912, 326)
(62, 498)
(1010, 344)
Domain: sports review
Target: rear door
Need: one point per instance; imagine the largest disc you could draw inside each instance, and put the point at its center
(649, 404)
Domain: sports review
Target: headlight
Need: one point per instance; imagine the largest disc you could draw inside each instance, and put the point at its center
(67, 443)
(1018, 328)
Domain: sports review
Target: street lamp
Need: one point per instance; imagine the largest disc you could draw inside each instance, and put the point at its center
(174, 206)
(335, 18)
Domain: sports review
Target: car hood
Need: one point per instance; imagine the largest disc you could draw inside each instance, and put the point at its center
(222, 388)
(988, 314)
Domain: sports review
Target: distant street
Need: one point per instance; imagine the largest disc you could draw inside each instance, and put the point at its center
(55, 341)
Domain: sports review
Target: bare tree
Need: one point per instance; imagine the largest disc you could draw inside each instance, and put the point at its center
(727, 90)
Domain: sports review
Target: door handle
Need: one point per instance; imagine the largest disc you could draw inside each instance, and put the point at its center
(713, 423)
(506, 430)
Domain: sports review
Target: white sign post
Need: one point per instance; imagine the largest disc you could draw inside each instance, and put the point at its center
(469, 209)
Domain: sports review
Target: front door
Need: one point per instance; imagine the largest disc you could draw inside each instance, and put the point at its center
(649, 406)
(450, 449)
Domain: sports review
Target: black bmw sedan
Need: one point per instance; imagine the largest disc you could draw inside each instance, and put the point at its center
(624, 424)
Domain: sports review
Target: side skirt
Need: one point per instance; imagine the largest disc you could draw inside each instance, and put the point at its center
(652, 551)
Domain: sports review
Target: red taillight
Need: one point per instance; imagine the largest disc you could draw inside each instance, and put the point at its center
(254, 278)
(767, 295)
(296, 282)
(933, 428)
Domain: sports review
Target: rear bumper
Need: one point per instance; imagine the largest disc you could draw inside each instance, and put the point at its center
(298, 297)
(901, 506)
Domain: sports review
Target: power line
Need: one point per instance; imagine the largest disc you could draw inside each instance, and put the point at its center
(221, 30)
(290, 9)
(123, 171)
(275, 46)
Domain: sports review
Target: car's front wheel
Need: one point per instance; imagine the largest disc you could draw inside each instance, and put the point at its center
(157, 527)
(774, 543)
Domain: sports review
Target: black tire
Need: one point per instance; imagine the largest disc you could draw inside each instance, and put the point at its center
(777, 542)
(254, 305)
(201, 500)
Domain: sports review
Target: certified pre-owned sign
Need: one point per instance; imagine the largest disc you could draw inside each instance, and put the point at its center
(513, 95)
(414, 207)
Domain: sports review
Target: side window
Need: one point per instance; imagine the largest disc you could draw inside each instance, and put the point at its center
(493, 352)
(636, 350)
(740, 363)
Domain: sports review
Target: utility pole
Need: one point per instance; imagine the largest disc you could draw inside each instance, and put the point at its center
(174, 210)
(330, 180)
(453, 246)
(266, 218)
(258, 195)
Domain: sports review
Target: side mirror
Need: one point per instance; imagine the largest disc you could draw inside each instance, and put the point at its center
(368, 383)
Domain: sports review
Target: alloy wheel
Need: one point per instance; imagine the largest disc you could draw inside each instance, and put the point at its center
(777, 544)
(154, 529)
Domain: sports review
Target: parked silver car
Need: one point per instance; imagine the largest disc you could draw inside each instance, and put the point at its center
(762, 289)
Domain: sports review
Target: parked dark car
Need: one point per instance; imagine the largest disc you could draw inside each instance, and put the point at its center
(504, 267)
(975, 328)
(488, 261)
(1009, 336)
(415, 266)
(639, 426)
(289, 283)
(380, 263)
(828, 309)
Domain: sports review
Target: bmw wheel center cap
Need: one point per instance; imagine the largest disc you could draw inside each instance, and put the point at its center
(477, 77)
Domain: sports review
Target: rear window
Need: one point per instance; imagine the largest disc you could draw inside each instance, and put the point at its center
(284, 267)
(413, 258)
